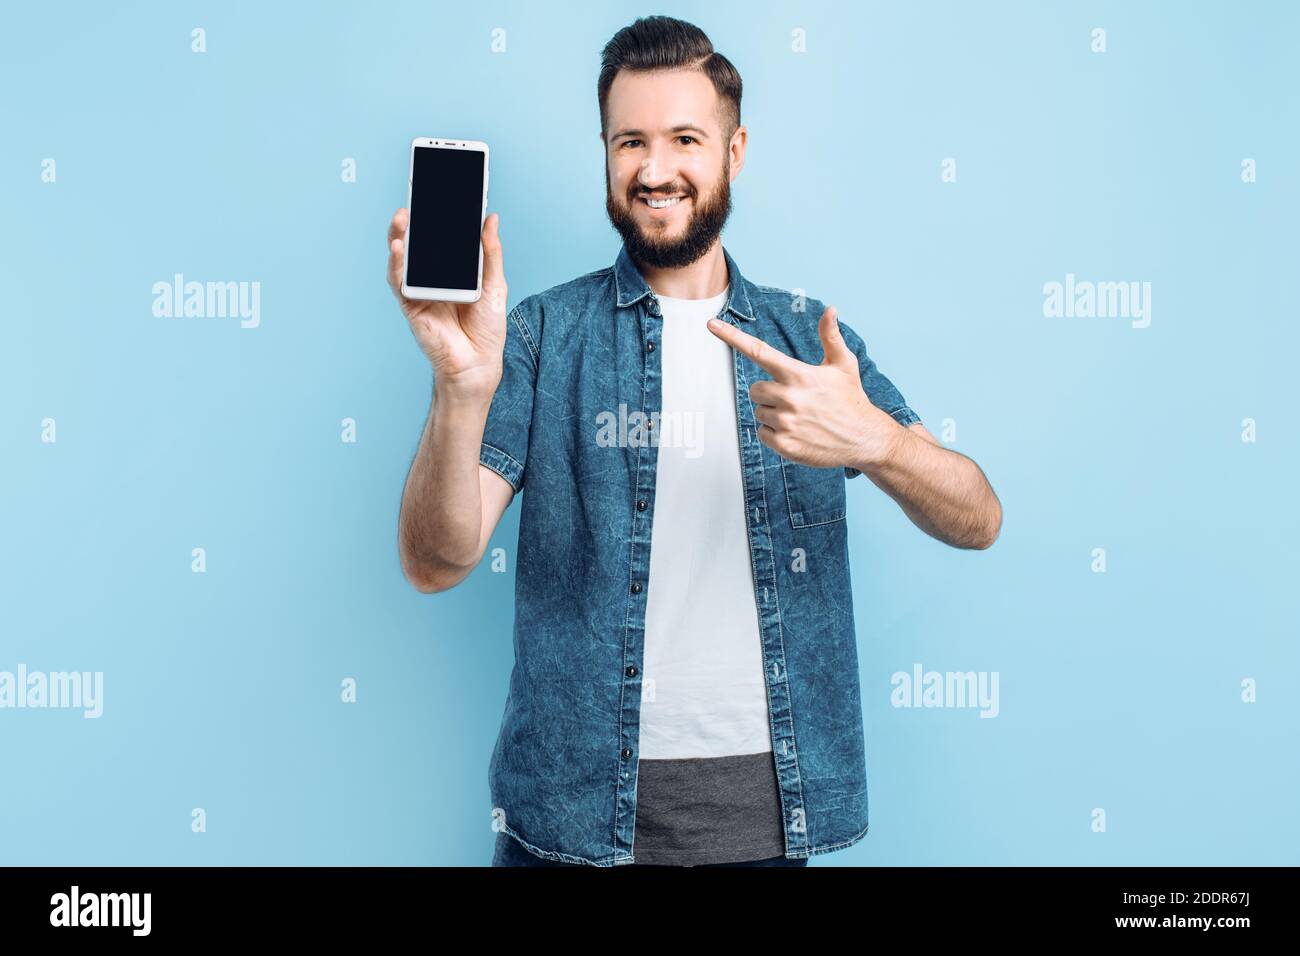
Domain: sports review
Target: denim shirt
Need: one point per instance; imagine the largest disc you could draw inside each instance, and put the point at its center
(572, 425)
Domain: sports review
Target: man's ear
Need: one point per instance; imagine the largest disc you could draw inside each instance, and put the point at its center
(739, 140)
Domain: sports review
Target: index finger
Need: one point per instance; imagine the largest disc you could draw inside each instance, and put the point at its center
(772, 360)
(396, 250)
(397, 225)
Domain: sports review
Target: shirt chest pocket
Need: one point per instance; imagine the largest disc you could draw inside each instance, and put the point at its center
(815, 495)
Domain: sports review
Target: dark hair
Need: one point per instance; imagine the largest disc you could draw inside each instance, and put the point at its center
(663, 43)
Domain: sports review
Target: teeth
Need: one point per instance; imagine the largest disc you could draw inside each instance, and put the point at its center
(664, 203)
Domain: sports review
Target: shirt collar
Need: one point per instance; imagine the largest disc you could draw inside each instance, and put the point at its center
(630, 286)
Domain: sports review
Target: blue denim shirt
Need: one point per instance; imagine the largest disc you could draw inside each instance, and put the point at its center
(563, 774)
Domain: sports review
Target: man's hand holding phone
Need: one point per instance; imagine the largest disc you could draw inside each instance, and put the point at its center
(464, 341)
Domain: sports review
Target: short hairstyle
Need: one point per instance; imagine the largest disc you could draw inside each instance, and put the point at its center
(664, 43)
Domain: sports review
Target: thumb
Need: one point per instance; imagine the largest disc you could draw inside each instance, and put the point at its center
(837, 350)
(494, 265)
(494, 270)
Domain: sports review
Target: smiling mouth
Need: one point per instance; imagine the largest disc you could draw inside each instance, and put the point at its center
(661, 203)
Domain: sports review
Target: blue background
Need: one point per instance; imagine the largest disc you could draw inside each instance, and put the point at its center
(1118, 690)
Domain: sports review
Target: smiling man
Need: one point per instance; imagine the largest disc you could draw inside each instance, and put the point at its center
(685, 689)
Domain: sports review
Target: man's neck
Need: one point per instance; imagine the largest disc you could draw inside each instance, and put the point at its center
(702, 279)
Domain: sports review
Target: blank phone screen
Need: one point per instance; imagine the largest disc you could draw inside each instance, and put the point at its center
(446, 218)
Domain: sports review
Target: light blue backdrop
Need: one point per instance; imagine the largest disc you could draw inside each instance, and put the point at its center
(1119, 690)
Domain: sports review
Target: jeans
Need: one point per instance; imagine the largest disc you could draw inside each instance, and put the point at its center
(509, 852)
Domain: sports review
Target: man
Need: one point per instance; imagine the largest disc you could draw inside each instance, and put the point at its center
(685, 688)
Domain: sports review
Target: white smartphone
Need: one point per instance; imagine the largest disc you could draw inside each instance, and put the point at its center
(447, 202)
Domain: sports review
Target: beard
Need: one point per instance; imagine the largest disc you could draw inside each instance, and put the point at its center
(704, 226)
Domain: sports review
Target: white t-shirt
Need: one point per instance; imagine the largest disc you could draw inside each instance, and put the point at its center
(703, 690)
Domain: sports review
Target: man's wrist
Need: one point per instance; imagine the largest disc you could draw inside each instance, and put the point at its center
(882, 443)
(465, 396)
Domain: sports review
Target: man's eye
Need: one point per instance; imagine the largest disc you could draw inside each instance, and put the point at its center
(691, 139)
(628, 142)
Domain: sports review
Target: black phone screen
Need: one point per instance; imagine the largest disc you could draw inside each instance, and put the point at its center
(446, 218)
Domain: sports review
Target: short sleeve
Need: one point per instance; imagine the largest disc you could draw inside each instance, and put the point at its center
(882, 392)
(509, 419)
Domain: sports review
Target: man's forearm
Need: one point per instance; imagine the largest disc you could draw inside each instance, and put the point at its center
(442, 509)
(943, 492)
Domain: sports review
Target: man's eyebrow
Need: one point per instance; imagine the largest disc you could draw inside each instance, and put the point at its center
(683, 128)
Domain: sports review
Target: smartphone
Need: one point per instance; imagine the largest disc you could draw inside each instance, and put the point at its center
(447, 202)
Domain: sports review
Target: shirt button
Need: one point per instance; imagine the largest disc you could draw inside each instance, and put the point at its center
(627, 752)
(631, 670)
(641, 505)
(636, 587)
(649, 346)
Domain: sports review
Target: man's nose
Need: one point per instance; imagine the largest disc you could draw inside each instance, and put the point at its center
(657, 169)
